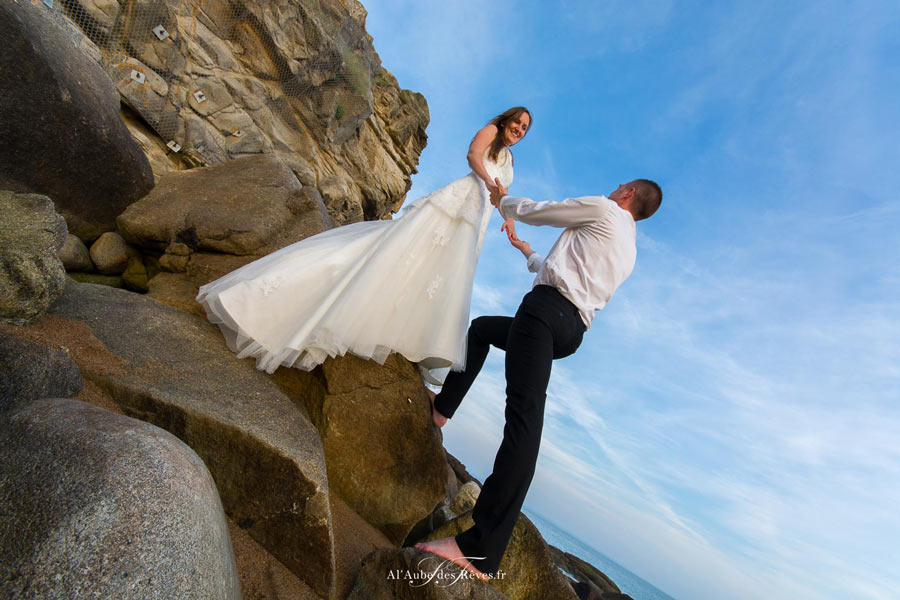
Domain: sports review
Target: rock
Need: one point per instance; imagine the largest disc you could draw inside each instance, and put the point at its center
(452, 486)
(60, 124)
(173, 369)
(245, 207)
(100, 505)
(462, 501)
(110, 254)
(176, 290)
(527, 567)
(354, 539)
(180, 289)
(174, 263)
(161, 158)
(384, 456)
(582, 570)
(343, 204)
(462, 475)
(74, 255)
(30, 371)
(208, 266)
(135, 276)
(114, 281)
(407, 573)
(438, 517)
(178, 249)
(149, 99)
(31, 235)
(262, 576)
(586, 590)
(299, 80)
(102, 13)
(465, 499)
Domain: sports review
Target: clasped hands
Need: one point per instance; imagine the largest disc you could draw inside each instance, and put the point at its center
(497, 192)
(509, 225)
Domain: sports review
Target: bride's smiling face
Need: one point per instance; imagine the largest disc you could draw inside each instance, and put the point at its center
(515, 128)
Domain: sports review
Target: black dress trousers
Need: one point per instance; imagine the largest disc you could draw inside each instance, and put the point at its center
(546, 326)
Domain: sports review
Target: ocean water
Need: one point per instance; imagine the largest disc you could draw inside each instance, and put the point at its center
(627, 581)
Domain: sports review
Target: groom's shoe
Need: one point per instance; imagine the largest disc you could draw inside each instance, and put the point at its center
(437, 418)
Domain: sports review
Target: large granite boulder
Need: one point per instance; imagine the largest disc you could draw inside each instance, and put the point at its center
(243, 207)
(31, 274)
(60, 125)
(209, 221)
(410, 574)
(527, 567)
(98, 505)
(384, 456)
(30, 371)
(173, 369)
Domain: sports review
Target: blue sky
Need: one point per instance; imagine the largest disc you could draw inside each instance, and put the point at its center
(729, 427)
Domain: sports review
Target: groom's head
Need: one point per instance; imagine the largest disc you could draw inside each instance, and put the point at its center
(640, 197)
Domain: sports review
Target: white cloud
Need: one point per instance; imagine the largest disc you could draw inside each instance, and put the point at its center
(487, 300)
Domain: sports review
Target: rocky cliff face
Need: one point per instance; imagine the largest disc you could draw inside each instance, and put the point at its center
(221, 79)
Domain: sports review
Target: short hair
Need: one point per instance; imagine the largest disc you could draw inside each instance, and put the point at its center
(648, 197)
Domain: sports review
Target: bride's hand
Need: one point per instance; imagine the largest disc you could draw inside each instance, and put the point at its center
(509, 226)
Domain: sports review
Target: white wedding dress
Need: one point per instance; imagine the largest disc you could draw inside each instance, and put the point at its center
(368, 288)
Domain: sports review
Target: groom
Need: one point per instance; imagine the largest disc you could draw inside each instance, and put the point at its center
(592, 257)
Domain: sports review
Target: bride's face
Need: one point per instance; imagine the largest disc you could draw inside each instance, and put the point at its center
(515, 129)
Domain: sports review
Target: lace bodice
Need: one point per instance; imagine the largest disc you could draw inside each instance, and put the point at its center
(502, 168)
(467, 197)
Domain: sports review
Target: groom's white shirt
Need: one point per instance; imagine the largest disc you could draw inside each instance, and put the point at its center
(591, 258)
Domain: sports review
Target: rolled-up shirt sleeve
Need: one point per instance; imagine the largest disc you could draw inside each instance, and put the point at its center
(570, 212)
(535, 262)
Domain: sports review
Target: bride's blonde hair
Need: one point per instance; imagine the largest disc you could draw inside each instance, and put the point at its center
(500, 121)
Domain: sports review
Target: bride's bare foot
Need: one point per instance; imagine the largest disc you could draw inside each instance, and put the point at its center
(447, 548)
(437, 418)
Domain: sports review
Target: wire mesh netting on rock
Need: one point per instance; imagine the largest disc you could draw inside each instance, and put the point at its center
(216, 79)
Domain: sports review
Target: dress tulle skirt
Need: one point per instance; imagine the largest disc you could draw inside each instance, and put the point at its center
(369, 289)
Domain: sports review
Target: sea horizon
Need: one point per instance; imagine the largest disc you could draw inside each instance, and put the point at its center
(628, 582)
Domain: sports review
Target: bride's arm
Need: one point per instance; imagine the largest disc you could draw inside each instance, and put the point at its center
(479, 144)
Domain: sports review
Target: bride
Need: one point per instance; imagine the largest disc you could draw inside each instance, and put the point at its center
(374, 287)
